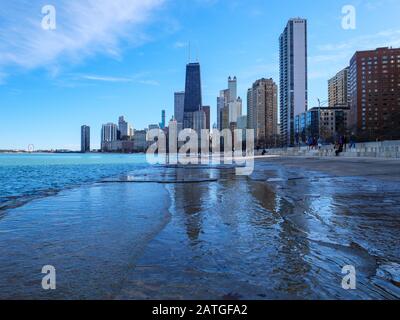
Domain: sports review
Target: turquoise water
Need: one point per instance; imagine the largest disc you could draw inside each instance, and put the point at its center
(27, 176)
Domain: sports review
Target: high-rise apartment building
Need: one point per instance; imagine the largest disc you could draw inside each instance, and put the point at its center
(250, 113)
(207, 111)
(85, 139)
(242, 125)
(124, 128)
(338, 91)
(262, 110)
(199, 121)
(225, 118)
(225, 112)
(375, 94)
(179, 106)
(162, 123)
(232, 87)
(293, 76)
(193, 98)
(222, 106)
(109, 133)
(235, 110)
(140, 142)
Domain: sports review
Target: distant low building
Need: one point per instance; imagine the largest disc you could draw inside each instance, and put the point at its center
(327, 123)
(120, 146)
(154, 126)
(125, 129)
(137, 144)
(334, 121)
(140, 141)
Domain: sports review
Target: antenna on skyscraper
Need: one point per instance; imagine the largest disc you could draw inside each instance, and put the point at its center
(189, 52)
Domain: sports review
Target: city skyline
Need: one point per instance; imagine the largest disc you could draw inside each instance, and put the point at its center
(50, 91)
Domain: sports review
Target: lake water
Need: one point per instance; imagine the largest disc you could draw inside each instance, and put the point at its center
(27, 176)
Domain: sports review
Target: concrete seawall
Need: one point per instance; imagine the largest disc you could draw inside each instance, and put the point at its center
(382, 150)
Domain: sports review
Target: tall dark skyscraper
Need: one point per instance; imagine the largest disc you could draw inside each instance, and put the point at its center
(193, 101)
(85, 139)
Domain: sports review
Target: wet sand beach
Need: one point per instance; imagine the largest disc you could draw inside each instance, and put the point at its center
(199, 232)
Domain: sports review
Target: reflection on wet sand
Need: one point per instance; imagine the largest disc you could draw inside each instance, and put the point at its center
(253, 239)
(189, 199)
(289, 269)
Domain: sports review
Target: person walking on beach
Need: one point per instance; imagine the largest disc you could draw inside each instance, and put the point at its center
(315, 143)
(352, 142)
(338, 149)
(339, 146)
(319, 143)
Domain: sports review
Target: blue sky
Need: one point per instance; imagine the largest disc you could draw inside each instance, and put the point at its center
(127, 57)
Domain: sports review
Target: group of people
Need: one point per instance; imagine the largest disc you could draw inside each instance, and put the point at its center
(314, 143)
(341, 144)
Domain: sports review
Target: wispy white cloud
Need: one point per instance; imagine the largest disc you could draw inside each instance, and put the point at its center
(106, 78)
(332, 57)
(84, 28)
(385, 38)
(180, 44)
(73, 80)
(149, 82)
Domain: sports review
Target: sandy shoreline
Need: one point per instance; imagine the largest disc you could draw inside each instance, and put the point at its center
(284, 232)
